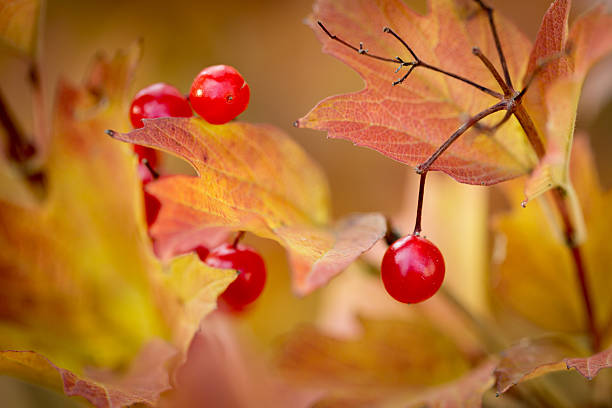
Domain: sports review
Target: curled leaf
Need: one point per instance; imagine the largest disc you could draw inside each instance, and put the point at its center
(143, 383)
(253, 178)
(532, 358)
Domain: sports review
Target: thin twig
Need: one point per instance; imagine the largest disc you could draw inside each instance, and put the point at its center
(500, 52)
(412, 64)
(424, 167)
(419, 213)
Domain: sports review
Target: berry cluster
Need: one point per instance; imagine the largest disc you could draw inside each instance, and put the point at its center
(218, 94)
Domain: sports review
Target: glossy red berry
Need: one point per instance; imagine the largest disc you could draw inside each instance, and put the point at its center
(412, 269)
(252, 278)
(151, 203)
(158, 101)
(219, 94)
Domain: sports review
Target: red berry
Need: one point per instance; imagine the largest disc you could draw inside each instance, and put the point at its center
(151, 203)
(158, 101)
(219, 94)
(252, 278)
(412, 269)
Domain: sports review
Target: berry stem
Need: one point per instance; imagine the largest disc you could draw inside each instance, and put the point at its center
(154, 173)
(239, 236)
(559, 198)
(392, 234)
(18, 147)
(419, 213)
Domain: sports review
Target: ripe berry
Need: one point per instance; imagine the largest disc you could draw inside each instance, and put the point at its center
(219, 94)
(252, 278)
(151, 203)
(158, 101)
(412, 269)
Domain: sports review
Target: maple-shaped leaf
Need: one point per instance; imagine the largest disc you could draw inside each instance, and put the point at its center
(386, 362)
(18, 23)
(80, 283)
(534, 273)
(409, 121)
(553, 98)
(146, 378)
(253, 178)
(531, 358)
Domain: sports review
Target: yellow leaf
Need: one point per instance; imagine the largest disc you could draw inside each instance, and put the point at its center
(253, 178)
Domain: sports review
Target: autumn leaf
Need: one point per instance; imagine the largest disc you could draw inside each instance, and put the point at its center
(553, 98)
(361, 368)
(142, 384)
(466, 392)
(18, 23)
(408, 122)
(253, 178)
(589, 367)
(82, 289)
(222, 369)
(531, 358)
(533, 273)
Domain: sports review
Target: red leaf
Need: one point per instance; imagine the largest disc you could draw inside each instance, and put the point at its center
(590, 366)
(409, 121)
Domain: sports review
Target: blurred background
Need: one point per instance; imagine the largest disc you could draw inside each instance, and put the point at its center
(287, 73)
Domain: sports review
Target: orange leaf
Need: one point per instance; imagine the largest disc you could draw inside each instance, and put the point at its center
(383, 363)
(466, 392)
(532, 358)
(146, 379)
(541, 284)
(18, 23)
(253, 178)
(409, 121)
(552, 100)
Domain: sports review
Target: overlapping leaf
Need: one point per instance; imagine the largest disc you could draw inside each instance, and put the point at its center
(409, 121)
(540, 282)
(386, 362)
(466, 392)
(18, 23)
(142, 384)
(80, 283)
(553, 98)
(531, 358)
(253, 178)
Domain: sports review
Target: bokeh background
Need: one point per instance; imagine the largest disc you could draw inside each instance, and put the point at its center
(282, 62)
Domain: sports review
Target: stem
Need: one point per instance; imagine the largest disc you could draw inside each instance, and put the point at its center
(154, 173)
(413, 64)
(18, 147)
(417, 223)
(500, 52)
(568, 230)
(424, 167)
(239, 236)
(507, 89)
(392, 234)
